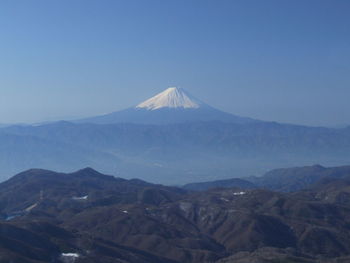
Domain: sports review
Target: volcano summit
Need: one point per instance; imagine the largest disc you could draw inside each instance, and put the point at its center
(171, 98)
(173, 105)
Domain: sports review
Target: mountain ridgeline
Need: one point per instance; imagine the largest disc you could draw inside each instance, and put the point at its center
(174, 105)
(281, 180)
(89, 217)
(171, 138)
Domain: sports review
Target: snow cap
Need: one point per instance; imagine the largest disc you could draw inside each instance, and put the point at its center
(172, 97)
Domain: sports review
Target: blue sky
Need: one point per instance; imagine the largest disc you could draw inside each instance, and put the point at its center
(277, 60)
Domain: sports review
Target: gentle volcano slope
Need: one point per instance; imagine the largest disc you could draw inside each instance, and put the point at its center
(173, 105)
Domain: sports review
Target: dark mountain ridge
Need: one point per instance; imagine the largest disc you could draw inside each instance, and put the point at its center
(90, 217)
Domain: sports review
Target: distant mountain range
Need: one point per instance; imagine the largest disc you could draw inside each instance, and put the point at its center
(227, 183)
(171, 138)
(282, 180)
(90, 217)
(171, 154)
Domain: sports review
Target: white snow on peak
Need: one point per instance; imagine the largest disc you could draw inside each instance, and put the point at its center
(171, 98)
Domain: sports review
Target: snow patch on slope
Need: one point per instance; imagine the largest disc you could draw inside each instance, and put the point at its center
(85, 197)
(69, 257)
(171, 98)
(74, 255)
(28, 209)
(239, 193)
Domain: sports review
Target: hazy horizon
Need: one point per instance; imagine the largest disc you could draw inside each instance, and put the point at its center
(284, 61)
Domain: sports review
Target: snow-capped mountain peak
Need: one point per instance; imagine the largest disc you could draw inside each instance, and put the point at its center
(172, 97)
(173, 105)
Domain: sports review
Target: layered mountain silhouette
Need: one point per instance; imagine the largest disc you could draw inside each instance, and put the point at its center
(87, 216)
(171, 138)
(174, 105)
(173, 153)
(282, 180)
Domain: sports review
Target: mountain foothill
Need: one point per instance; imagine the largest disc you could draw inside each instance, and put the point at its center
(86, 216)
